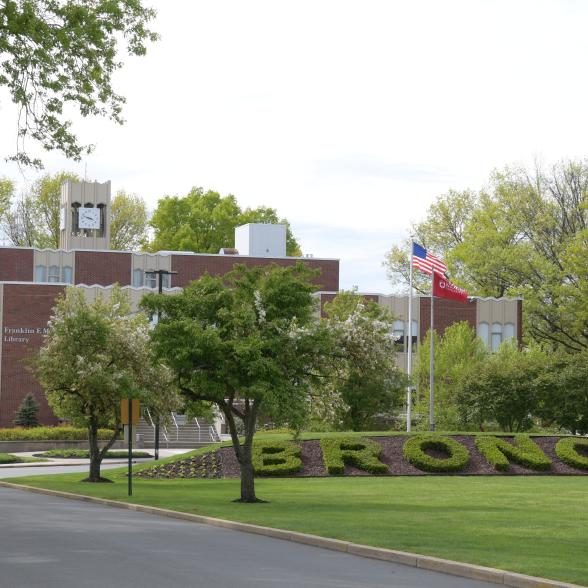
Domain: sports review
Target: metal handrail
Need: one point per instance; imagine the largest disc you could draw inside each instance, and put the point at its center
(176, 425)
(198, 426)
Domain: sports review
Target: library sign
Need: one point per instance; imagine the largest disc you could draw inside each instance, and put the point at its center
(22, 335)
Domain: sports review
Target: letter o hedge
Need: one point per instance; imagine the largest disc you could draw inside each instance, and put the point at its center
(567, 450)
(414, 453)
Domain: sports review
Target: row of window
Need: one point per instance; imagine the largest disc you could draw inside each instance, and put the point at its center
(64, 275)
(140, 279)
(54, 274)
(492, 336)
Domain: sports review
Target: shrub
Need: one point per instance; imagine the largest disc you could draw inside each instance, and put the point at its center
(525, 452)
(357, 451)
(7, 458)
(414, 452)
(567, 449)
(50, 434)
(276, 458)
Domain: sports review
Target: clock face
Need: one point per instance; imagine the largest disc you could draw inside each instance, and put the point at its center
(89, 218)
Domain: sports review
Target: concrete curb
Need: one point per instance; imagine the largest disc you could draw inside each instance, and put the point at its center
(414, 560)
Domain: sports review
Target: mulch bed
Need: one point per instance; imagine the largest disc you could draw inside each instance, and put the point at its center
(222, 463)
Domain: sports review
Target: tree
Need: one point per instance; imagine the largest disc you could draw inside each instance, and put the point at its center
(205, 222)
(56, 55)
(27, 413)
(33, 220)
(524, 236)
(458, 354)
(365, 377)
(129, 222)
(503, 388)
(563, 392)
(96, 354)
(246, 342)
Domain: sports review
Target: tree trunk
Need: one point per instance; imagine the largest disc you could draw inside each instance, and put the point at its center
(247, 481)
(95, 454)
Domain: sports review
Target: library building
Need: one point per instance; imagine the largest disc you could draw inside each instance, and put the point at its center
(31, 280)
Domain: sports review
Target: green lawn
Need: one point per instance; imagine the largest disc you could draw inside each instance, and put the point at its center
(534, 525)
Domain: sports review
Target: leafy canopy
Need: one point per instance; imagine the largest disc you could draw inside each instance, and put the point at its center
(58, 54)
(97, 353)
(247, 342)
(364, 382)
(205, 222)
(526, 235)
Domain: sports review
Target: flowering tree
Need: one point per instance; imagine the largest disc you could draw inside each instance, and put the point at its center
(246, 342)
(96, 354)
(365, 380)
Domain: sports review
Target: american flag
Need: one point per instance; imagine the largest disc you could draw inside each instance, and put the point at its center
(425, 261)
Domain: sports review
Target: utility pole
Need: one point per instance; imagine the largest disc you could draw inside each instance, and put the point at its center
(160, 273)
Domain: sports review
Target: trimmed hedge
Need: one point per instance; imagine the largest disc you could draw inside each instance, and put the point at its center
(50, 434)
(357, 451)
(85, 454)
(276, 458)
(525, 452)
(8, 458)
(567, 450)
(414, 452)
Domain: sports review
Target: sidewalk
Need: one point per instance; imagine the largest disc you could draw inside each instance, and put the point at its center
(163, 453)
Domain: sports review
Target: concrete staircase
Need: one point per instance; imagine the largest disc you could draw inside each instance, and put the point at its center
(180, 433)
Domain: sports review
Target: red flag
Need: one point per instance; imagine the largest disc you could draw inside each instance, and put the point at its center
(443, 288)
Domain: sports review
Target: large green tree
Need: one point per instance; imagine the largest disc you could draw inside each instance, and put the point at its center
(33, 219)
(205, 222)
(365, 382)
(55, 55)
(525, 235)
(128, 222)
(96, 354)
(458, 353)
(248, 343)
(503, 388)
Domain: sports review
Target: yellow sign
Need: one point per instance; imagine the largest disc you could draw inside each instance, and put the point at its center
(124, 411)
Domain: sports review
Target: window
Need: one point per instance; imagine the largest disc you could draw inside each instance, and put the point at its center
(67, 274)
(40, 273)
(138, 278)
(100, 231)
(509, 331)
(496, 336)
(150, 280)
(398, 334)
(483, 331)
(54, 273)
(75, 227)
(166, 280)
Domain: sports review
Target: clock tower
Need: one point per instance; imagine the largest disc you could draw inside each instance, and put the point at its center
(84, 221)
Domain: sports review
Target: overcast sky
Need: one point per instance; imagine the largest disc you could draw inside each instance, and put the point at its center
(349, 117)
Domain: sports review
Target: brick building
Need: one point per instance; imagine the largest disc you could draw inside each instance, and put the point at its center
(31, 280)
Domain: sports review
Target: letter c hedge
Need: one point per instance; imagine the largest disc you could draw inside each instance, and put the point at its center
(414, 453)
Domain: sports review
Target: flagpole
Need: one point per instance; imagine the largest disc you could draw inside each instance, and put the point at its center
(409, 364)
(432, 360)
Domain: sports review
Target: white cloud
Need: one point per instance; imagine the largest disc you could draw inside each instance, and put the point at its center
(347, 116)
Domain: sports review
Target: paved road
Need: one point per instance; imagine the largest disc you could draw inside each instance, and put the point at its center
(53, 542)
(14, 472)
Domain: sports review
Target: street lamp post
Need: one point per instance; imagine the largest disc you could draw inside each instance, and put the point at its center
(160, 273)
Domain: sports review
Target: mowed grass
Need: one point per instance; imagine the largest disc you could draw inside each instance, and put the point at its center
(534, 525)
